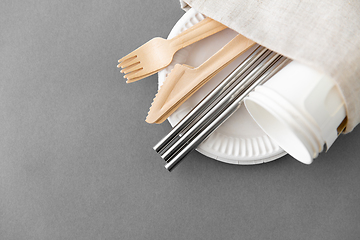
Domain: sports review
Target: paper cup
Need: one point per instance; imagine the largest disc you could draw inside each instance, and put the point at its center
(300, 109)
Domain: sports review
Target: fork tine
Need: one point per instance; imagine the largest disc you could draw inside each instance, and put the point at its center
(133, 73)
(140, 74)
(137, 78)
(129, 62)
(131, 68)
(127, 57)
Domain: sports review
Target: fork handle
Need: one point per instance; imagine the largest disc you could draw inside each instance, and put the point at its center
(197, 32)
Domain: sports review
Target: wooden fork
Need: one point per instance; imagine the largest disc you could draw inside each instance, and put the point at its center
(183, 81)
(158, 53)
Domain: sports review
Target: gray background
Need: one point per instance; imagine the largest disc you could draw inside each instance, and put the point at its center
(76, 158)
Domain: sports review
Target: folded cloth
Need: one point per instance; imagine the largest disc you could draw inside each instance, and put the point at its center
(323, 34)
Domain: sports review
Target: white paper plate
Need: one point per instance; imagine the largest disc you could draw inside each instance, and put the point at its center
(239, 140)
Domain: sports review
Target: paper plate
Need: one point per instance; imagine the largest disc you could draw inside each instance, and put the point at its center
(239, 140)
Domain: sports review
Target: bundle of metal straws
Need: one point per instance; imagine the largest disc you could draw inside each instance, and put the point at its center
(219, 105)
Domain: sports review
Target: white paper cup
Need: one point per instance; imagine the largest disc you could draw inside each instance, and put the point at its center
(300, 109)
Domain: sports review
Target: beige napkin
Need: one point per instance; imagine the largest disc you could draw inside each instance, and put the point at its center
(324, 35)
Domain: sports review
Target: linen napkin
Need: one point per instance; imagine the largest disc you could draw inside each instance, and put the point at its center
(323, 34)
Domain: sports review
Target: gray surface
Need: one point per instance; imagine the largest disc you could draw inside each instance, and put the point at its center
(76, 158)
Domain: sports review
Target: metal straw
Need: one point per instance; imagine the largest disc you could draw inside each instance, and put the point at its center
(272, 64)
(199, 109)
